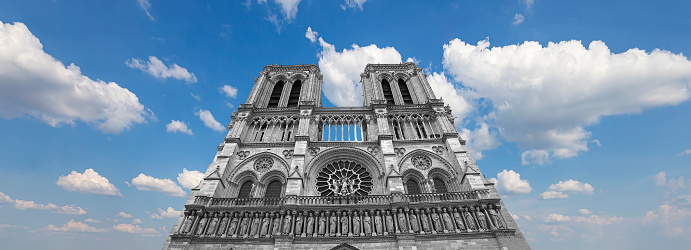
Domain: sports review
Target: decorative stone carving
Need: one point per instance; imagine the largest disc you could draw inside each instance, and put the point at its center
(399, 151)
(402, 222)
(344, 178)
(314, 151)
(481, 219)
(242, 154)
(389, 222)
(187, 224)
(266, 221)
(244, 224)
(287, 223)
(448, 223)
(256, 223)
(223, 224)
(421, 162)
(333, 224)
(458, 219)
(288, 154)
(373, 150)
(322, 224)
(212, 225)
(436, 220)
(469, 219)
(344, 223)
(310, 224)
(413, 221)
(276, 224)
(356, 223)
(202, 224)
(439, 149)
(496, 217)
(367, 223)
(263, 164)
(425, 220)
(298, 223)
(378, 225)
(233, 227)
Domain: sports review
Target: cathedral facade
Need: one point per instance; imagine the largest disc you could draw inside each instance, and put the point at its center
(392, 174)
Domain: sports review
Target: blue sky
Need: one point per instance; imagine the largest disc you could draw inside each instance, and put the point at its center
(578, 110)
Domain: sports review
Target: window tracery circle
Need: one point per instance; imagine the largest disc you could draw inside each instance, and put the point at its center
(263, 164)
(422, 162)
(344, 178)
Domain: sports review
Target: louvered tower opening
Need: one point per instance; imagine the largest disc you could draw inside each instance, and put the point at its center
(295, 94)
(386, 88)
(407, 99)
(275, 95)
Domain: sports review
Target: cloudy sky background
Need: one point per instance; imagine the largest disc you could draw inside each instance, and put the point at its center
(111, 111)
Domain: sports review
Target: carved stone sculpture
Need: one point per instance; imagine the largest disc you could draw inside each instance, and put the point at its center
(202, 224)
(367, 223)
(344, 223)
(233, 225)
(298, 223)
(310, 224)
(223, 224)
(496, 218)
(448, 223)
(287, 223)
(459, 220)
(481, 219)
(436, 221)
(413, 221)
(469, 219)
(425, 220)
(212, 225)
(276, 224)
(244, 224)
(265, 224)
(389, 222)
(333, 224)
(402, 222)
(185, 228)
(356, 223)
(256, 222)
(378, 225)
(322, 224)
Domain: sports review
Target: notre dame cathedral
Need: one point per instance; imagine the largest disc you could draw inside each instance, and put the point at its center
(392, 174)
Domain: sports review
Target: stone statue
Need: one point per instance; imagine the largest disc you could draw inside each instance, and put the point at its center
(402, 223)
(224, 224)
(425, 220)
(459, 220)
(389, 222)
(244, 224)
(356, 223)
(333, 224)
(233, 225)
(367, 223)
(256, 223)
(378, 225)
(413, 221)
(344, 223)
(276, 230)
(496, 218)
(298, 223)
(481, 219)
(265, 224)
(212, 225)
(287, 223)
(185, 227)
(469, 219)
(322, 224)
(436, 221)
(336, 187)
(202, 224)
(310, 224)
(448, 223)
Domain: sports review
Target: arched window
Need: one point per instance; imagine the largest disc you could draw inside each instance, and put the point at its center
(440, 186)
(275, 95)
(273, 190)
(245, 190)
(295, 94)
(386, 88)
(407, 99)
(413, 186)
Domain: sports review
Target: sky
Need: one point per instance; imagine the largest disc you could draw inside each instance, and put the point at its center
(578, 110)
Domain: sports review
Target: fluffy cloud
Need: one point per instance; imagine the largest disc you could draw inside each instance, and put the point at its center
(480, 139)
(209, 120)
(137, 221)
(229, 91)
(559, 190)
(156, 68)
(178, 126)
(584, 211)
(557, 218)
(136, 229)
(90, 220)
(288, 9)
(123, 215)
(36, 84)
(671, 184)
(342, 70)
(353, 4)
(165, 186)
(90, 182)
(674, 216)
(526, 86)
(25, 205)
(594, 219)
(518, 19)
(168, 213)
(685, 152)
(145, 5)
(510, 182)
(311, 35)
(451, 94)
(74, 226)
(190, 179)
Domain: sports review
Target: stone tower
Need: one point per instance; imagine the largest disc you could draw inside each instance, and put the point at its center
(392, 174)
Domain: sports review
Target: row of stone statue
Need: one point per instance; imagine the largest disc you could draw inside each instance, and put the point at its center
(344, 223)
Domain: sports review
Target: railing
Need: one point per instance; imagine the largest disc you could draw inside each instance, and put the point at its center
(343, 200)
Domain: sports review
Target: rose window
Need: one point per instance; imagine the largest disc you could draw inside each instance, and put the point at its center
(422, 162)
(263, 164)
(344, 178)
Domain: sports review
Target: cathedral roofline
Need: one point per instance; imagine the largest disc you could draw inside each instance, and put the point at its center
(295, 67)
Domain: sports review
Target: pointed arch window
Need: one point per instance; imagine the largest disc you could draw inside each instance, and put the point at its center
(295, 94)
(412, 186)
(439, 185)
(386, 88)
(245, 189)
(275, 95)
(405, 93)
(274, 189)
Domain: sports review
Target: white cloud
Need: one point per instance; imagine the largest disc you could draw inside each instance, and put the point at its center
(480, 139)
(209, 120)
(549, 195)
(36, 84)
(90, 220)
(288, 9)
(74, 226)
(25, 205)
(123, 215)
(156, 68)
(136, 229)
(572, 186)
(90, 182)
(168, 213)
(597, 142)
(685, 152)
(165, 186)
(539, 157)
(528, 3)
(178, 126)
(518, 19)
(311, 35)
(584, 211)
(342, 70)
(196, 97)
(451, 94)
(660, 178)
(145, 5)
(525, 85)
(230, 91)
(156, 216)
(671, 184)
(353, 4)
(594, 219)
(510, 182)
(557, 218)
(190, 179)
(137, 221)
(674, 216)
